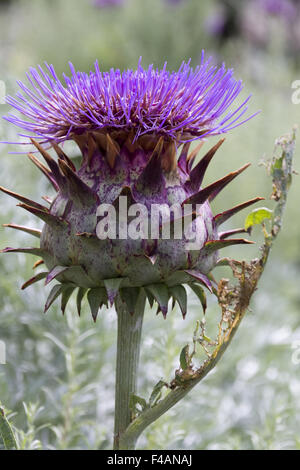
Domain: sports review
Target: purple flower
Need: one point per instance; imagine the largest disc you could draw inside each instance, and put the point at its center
(174, 2)
(108, 3)
(283, 8)
(128, 127)
(182, 106)
(215, 23)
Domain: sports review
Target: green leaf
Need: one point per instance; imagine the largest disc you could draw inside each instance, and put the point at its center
(257, 216)
(156, 393)
(137, 404)
(184, 358)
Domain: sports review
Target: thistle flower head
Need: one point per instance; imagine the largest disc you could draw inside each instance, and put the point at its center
(128, 127)
(185, 105)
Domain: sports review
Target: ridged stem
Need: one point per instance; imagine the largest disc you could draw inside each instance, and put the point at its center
(128, 353)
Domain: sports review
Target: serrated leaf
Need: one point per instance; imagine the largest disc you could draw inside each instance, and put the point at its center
(179, 294)
(257, 216)
(184, 357)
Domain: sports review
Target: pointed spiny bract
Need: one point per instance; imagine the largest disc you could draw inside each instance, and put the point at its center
(38, 263)
(77, 188)
(182, 160)
(112, 288)
(191, 156)
(185, 105)
(61, 154)
(56, 271)
(30, 251)
(211, 191)
(54, 294)
(197, 174)
(179, 294)
(24, 199)
(65, 296)
(48, 218)
(96, 298)
(44, 170)
(32, 231)
(80, 294)
(50, 162)
(229, 233)
(226, 180)
(221, 218)
(200, 277)
(111, 151)
(152, 177)
(214, 245)
(34, 279)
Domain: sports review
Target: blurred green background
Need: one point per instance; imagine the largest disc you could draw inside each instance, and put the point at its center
(58, 381)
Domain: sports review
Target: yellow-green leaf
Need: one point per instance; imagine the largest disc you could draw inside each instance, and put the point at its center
(257, 216)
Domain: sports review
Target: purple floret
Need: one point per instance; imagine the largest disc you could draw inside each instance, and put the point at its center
(185, 105)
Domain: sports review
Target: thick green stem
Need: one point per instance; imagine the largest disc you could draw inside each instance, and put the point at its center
(128, 353)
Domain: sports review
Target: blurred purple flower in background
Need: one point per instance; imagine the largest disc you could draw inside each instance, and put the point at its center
(215, 23)
(284, 8)
(174, 2)
(108, 3)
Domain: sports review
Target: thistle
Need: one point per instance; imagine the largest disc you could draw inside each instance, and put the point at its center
(129, 127)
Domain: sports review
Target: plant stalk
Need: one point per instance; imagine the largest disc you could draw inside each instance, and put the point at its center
(128, 353)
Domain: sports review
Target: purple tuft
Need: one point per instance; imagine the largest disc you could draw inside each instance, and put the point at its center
(185, 105)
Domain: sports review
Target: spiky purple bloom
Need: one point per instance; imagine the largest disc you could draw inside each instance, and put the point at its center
(128, 127)
(181, 106)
